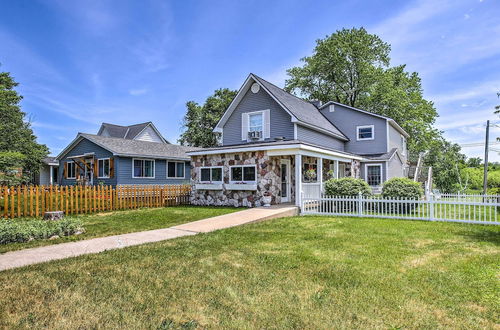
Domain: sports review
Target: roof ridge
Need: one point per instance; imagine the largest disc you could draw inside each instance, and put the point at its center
(299, 98)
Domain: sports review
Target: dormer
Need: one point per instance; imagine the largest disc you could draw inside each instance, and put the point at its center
(141, 132)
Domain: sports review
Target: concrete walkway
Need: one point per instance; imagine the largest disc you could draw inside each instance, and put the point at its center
(26, 257)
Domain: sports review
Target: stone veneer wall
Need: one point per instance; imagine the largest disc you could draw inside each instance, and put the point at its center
(268, 179)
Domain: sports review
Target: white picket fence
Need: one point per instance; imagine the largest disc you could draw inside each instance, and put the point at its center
(457, 208)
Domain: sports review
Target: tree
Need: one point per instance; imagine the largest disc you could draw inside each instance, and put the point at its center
(351, 66)
(200, 121)
(11, 163)
(474, 162)
(343, 67)
(445, 157)
(16, 134)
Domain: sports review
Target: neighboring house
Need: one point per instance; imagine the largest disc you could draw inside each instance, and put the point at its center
(49, 172)
(123, 155)
(274, 142)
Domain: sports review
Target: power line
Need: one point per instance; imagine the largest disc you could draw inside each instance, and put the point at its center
(477, 144)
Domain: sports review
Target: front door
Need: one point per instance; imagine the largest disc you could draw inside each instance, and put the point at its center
(285, 180)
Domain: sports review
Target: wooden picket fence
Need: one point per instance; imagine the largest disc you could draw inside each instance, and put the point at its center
(33, 201)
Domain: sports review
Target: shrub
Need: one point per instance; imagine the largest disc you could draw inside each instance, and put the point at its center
(402, 188)
(347, 187)
(25, 230)
(494, 191)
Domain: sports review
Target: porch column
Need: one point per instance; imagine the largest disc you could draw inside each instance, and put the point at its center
(319, 164)
(51, 173)
(336, 169)
(298, 179)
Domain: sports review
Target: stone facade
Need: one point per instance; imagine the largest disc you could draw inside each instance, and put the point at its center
(268, 179)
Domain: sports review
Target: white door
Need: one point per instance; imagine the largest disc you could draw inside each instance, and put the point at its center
(285, 180)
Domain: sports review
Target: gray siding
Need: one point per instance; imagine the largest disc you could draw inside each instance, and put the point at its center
(395, 168)
(308, 135)
(44, 176)
(347, 120)
(124, 173)
(82, 147)
(281, 121)
(395, 141)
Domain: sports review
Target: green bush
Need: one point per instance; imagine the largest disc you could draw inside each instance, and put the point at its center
(347, 187)
(494, 191)
(402, 188)
(25, 230)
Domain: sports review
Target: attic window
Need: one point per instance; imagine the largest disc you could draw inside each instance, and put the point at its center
(255, 88)
(365, 132)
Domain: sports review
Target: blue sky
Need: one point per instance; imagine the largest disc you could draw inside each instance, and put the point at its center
(80, 63)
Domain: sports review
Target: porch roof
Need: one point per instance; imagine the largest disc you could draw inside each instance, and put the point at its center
(276, 148)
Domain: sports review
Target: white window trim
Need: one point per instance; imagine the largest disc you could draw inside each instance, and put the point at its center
(261, 112)
(403, 145)
(176, 177)
(211, 167)
(98, 167)
(250, 182)
(381, 173)
(72, 177)
(144, 177)
(365, 126)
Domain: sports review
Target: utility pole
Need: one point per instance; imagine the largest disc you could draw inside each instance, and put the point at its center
(485, 178)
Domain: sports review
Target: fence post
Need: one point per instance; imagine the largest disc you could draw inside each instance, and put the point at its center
(360, 204)
(431, 207)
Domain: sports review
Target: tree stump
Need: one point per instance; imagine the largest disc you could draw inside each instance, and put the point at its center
(53, 215)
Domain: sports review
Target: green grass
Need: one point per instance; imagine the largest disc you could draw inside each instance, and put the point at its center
(299, 272)
(120, 222)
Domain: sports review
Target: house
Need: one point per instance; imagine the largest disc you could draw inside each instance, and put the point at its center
(123, 155)
(48, 174)
(273, 142)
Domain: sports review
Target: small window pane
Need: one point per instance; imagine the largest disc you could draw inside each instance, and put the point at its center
(236, 174)
(171, 170)
(148, 168)
(217, 174)
(138, 168)
(249, 173)
(180, 170)
(255, 122)
(205, 174)
(365, 133)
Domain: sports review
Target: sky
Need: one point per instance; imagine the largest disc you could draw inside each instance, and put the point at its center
(83, 62)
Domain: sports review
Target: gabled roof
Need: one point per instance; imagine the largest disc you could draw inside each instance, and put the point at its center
(301, 111)
(128, 132)
(383, 157)
(50, 161)
(391, 121)
(133, 148)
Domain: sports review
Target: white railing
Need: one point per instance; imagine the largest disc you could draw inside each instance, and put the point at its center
(312, 190)
(486, 210)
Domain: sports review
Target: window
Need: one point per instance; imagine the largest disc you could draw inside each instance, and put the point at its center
(103, 168)
(309, 172)
(246, 173)
(71, 166)
(211, 174)
(374, 174)
(403, 145)
(365, 132)
(256, 122)
(143, 168)
(175, 170)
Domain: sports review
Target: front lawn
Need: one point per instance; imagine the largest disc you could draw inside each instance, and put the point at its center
(121, 222)
(299, 272)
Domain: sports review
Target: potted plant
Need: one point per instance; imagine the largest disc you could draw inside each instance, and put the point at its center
(267, 199)
(310, 174)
